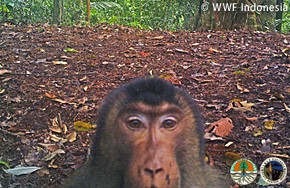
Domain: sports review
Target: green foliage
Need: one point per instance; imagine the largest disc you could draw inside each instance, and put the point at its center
(286, 18)
(26, 12)
(4, 163)
(168, 14)
(150, 14)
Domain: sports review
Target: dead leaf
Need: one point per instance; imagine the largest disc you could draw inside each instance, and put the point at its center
(52, 165)
(242, 89)
(52, 155)
(181, 50)
(49, 95)
(251, 118)
(55, 129)
(2, 91)
(131, 55)
(43, 172)
(83, 126)
(31, 158)
(57, 125)
(84, 78)
(279, 155)
(229, 144)
(4, 71)
(72, 136)
(286, 108)
(242, 106)
(59, 62)
(145, 54)
(269, 124)
(64, 128)
(246, 104)
(249, 128)
(230, 157)
(236, 100)
(43, 60)
(211, 136)
(257, 132)
(230, 106)
(55, 122)
(17, 99)
(56, 138)
(222, 127)
(214, 50)
(64, 102)
(49, 147)
(203, 80)
(86, 88)
(195, 44)
(158, 37)
(239, 72)
(279, 96)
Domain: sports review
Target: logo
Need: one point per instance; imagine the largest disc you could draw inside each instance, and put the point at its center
(273, 170)
(243, 171)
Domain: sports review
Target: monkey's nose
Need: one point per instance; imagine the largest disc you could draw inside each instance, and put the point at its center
(153, 171)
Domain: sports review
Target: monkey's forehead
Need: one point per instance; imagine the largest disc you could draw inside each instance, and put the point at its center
(142, 107)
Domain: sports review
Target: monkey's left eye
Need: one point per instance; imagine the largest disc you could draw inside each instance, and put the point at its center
(169, 124)
(134, 124)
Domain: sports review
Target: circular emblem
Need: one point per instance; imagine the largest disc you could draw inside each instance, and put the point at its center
(243, 171)
(273, 170)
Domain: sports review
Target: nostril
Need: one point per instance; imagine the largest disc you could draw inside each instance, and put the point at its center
(152, 172)
(149, 171)
(158, 170)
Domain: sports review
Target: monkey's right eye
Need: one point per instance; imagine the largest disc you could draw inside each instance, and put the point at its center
(134, 124)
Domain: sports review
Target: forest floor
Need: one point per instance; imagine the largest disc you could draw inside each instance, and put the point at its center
(56, 76)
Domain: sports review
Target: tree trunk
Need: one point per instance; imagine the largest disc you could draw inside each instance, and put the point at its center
(57, 11)
(279, 15)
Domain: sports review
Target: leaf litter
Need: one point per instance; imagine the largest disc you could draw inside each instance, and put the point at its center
(50, 72)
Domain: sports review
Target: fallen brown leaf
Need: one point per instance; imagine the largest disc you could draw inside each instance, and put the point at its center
(72, 136)
(222, 127)
(4, 71)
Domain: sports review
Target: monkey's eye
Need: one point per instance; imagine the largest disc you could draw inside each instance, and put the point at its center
(134, 123)
(169, 124)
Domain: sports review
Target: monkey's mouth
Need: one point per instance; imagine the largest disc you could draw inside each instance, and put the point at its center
(165, 181)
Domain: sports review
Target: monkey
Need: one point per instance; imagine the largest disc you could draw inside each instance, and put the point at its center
(149, 135)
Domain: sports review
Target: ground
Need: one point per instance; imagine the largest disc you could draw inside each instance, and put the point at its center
(60, 75)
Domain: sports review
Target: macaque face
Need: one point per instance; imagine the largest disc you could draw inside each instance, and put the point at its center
(149, 135)
(153, 133)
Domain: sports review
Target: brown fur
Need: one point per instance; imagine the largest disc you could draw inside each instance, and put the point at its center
(149, 136)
